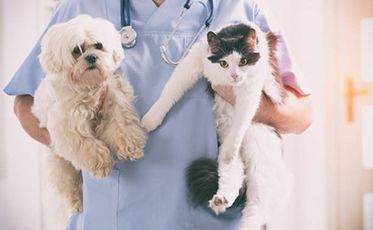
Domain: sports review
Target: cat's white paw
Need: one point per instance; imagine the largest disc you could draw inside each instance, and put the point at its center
(150, 122)
(218, 204)
(154, 117)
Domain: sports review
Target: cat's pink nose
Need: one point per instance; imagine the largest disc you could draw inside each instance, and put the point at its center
(234, 76)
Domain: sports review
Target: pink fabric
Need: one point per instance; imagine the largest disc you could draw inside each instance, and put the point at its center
(290, 73)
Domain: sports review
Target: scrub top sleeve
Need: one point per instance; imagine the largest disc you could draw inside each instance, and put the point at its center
(290, 73)
(28, 76)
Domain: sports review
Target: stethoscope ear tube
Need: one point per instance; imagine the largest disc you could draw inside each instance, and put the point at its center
(164, 53)
(208, 21)
(210, 17)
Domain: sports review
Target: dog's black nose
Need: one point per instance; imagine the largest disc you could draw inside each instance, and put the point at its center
(91, 59)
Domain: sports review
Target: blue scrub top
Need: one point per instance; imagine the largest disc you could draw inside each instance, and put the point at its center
(151, 192)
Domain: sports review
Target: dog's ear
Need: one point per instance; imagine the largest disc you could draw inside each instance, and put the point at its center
(51, 57)
(118, 54)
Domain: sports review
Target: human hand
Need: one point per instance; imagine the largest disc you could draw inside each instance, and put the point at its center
(45, 137)
(294, 115)
(22, 109)
(226, 92)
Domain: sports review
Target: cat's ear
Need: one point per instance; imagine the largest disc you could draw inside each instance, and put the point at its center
(251, 39)
(214, 41)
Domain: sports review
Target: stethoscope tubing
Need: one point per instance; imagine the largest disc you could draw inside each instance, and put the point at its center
(127, 27)
(125, 13)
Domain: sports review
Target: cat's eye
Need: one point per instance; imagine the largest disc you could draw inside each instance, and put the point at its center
(224, 64)
(99, 46)
(243, 62)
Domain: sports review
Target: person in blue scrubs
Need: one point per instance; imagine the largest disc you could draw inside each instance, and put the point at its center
(151, 193)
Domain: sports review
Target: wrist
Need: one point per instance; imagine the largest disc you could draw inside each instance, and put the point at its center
(43, 136)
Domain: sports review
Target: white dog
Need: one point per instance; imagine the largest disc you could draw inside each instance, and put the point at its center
(87, 107)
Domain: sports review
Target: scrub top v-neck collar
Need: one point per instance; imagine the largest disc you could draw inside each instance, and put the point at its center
(147, 16)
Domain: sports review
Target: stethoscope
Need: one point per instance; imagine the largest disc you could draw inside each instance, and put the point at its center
(129, 35)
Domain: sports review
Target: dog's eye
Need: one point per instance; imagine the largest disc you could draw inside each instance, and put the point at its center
(99, 46)
(76, 50)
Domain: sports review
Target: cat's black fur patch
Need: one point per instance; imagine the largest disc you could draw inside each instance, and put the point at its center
(229, 39)
(202, 181)
(210, 91)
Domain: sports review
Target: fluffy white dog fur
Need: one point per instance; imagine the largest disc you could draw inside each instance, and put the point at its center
(85, 105)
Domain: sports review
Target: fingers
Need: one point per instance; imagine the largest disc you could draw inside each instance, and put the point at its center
(46, 137)
(226, 92)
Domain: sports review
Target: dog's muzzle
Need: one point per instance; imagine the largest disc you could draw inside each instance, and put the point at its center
(91, 59)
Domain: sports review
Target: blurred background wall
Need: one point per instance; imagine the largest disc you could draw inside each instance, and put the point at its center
(20, 206)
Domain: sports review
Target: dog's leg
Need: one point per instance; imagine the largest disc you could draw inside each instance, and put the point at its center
(67, 181)
(120, 127)
(74, 140)
(122, 131)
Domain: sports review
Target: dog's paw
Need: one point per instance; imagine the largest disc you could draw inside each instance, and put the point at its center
(99, 161)
(77, 206)
(76, 199)
(218, 204)
(101, 168)
(130, 151)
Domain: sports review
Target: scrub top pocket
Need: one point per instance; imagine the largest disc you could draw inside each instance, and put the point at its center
(100, 203)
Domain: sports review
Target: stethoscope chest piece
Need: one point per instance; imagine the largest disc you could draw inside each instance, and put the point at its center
(128, 36)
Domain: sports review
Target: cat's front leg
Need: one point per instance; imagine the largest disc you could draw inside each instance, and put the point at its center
(231, 177)
(247, 103)
(185, 75)
(228, 151)
(154, 117)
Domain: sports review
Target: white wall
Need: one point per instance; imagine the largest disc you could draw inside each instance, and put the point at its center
(19, 159)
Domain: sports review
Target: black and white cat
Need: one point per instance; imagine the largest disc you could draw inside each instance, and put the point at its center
(243, 57)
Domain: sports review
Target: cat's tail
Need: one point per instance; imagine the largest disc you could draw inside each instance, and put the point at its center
(202, 181)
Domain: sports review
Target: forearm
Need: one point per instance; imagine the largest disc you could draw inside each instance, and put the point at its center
(22, 109)
(293, 116)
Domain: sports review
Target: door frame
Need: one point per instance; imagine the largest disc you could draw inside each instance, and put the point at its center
(336, 113)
